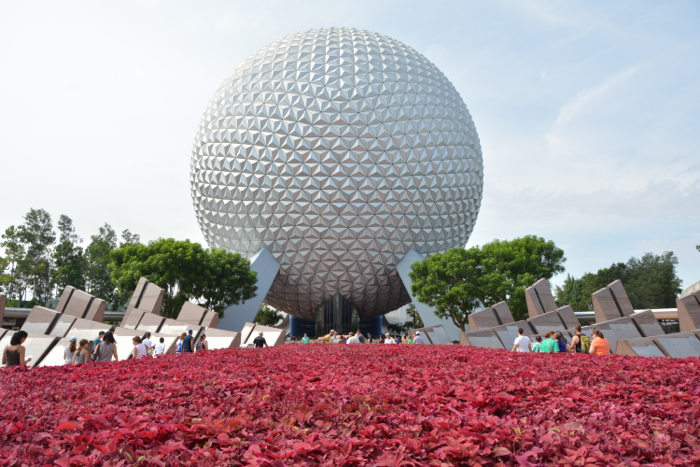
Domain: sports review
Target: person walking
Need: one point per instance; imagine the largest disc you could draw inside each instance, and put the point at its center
(106, 349)
(352, 339)
(360, 337)
(140, 349)
(388, 339)
(305, 339)
(259, 342)
(536, 345)
(148, 343)
(600, 345)
(580, 343)
(180, 340)
(561, 342)
(160, 348)
(522, 342)
(13, 354)
(83, 354)
(187, 346)
(404, 338)
(202, 344)
(96, 341)
(70, 351)
(418, 339)
(549, 345)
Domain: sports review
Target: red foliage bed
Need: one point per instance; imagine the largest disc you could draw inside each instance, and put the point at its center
(354, 405)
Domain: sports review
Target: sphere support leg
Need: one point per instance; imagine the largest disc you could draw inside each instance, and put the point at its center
(236, 316)
(427, 313)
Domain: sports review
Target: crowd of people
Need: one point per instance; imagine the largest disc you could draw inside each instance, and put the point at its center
(103, 348)
(555, 342)
(358, 338)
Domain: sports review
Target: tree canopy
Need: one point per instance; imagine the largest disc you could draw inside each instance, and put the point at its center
(187, 272)
(69, 260)
(40, 262)
(97, 254)
(650, 282)
(267, 316)
(461, 281)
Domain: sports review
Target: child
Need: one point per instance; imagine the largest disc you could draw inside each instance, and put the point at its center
(536, 345)
(160, 347)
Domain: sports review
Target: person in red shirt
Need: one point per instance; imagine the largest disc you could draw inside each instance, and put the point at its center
(600, 345)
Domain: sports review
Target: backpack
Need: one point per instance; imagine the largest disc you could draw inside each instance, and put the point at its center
(585, 343)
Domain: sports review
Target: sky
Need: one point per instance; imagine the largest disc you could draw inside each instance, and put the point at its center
(588, 112)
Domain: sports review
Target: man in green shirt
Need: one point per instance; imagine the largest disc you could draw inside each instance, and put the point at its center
(305, 339)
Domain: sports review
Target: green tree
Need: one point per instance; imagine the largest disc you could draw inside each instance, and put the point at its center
(15, 251)
(129, 239)
(650, 282)
(66, 230)
(571, 293)
(450, 283)
(460, 281)
(98, 281)
(70, 262)
(414, 320)
(227, 280)
(5, 279)
(186, 271)
(268, 316)
(577, 292)
(38, 234)
(513, 265)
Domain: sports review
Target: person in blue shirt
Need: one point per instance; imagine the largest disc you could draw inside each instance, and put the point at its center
(97, 341)
(187, 343)
(559, 337)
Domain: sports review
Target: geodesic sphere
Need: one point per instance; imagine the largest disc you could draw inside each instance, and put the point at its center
(339, 150)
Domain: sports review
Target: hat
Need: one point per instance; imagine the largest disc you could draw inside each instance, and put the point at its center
(189, 332)
(73, 338)
(417, 333)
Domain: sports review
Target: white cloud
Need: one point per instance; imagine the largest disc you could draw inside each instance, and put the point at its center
(569, 111)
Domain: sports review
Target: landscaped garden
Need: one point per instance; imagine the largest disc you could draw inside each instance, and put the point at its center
(384, 405)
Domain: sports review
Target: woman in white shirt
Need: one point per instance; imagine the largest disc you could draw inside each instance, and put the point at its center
(70, 351)
(139, 349)
(178, 348)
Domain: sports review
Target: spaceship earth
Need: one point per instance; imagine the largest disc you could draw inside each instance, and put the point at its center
(338, 150)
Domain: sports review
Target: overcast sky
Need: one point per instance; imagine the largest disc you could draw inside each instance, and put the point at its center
(588, 112)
